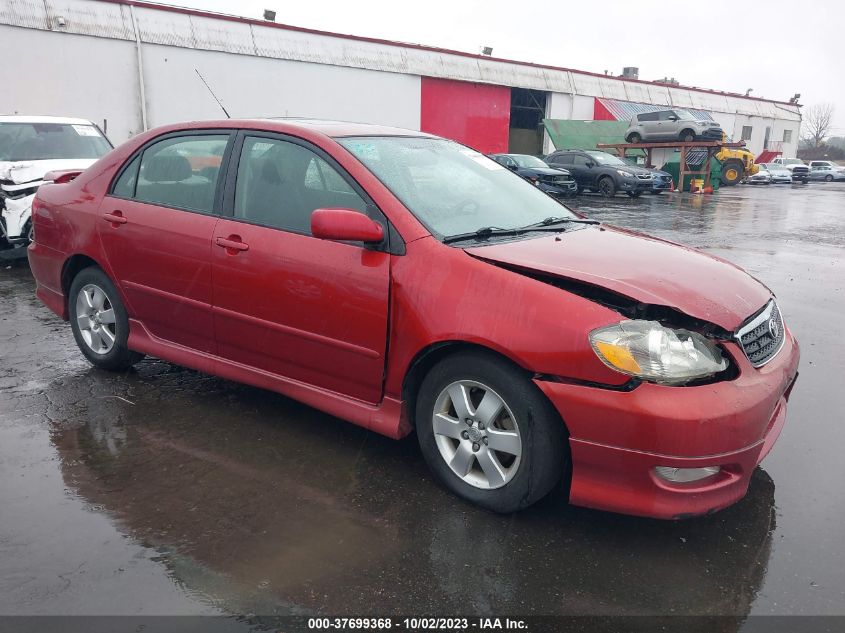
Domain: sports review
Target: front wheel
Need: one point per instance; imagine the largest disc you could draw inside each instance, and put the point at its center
(828, 178)
(488, 434)
(732, 172)
(99, 321)
(607, 187)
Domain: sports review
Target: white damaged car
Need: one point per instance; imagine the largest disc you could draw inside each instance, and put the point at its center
(30, 147)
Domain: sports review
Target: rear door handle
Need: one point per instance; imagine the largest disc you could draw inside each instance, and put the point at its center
(115, 217)
(232, 243)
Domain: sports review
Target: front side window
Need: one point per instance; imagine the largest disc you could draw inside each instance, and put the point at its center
(280, 184)
(179, 172)
(450, 188)
(50, 141)
(648, 116)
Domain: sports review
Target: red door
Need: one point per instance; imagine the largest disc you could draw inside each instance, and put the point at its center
(156, 228)
(299, 307)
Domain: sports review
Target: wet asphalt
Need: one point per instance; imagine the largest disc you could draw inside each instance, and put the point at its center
(166, 491)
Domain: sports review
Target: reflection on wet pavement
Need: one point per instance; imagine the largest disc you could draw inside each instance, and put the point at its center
(168, 491)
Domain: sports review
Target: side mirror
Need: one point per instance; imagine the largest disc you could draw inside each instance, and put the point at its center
(673, 118)
(345, 225)
(591, 164)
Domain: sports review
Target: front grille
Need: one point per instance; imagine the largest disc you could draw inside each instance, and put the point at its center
(644, 176)
(557, 180)
(762, 338)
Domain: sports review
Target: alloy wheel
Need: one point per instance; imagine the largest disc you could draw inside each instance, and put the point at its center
(95, 318)
(477, 434)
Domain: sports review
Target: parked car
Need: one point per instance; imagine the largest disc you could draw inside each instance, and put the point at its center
(556, 182)
(828, 174)
(826, 163)
(661, 180)
(602, 172)
(778, 173)
(800, 171)
(671, 125)
(29, 148)
(405, 282)
(762, 177)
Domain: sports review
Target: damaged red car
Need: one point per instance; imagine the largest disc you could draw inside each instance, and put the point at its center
(407, 283)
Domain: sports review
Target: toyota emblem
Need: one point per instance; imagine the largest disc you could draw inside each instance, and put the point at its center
(774, 328)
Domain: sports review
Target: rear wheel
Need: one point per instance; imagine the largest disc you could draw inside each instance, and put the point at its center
(99, 321)
(488, 434)
(633, 137)
(732, 171)
(607, 187)
(687, 136)
(828, 178)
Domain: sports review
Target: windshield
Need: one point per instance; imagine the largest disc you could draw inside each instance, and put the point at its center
(683, 115)
(793, 161)
(603, 158)
(450, 188)
(48, 141)
(528, 162)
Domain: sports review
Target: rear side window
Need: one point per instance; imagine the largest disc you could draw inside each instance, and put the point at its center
(179, 172)
(561, 159)
(281, 183)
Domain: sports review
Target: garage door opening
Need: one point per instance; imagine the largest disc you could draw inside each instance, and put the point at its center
(528, 109)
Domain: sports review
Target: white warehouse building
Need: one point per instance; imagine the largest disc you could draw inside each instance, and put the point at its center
(129, 65)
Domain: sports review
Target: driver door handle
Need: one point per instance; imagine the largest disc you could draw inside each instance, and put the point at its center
(115, 217)
(232, 243)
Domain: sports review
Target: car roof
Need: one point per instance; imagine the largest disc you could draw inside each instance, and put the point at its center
(347, 128)
(60, 120)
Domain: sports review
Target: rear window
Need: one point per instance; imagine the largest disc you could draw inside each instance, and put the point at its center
(49, 141)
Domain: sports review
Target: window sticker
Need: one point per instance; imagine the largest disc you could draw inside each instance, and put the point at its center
(86, 130)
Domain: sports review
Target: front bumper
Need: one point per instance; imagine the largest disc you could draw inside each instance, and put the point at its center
(617, 438)
(635, 184)
(559, 189)
(658, 184)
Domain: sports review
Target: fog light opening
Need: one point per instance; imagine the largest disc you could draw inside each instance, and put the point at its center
(685, 475)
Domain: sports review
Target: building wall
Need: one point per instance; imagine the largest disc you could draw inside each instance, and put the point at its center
(78, 57)
(52, 75)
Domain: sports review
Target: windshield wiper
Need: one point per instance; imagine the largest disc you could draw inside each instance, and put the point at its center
(551, 221)
(492, 231)
(482, 234)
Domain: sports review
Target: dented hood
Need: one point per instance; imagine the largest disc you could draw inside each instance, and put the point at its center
(32, 171)
(642, 268)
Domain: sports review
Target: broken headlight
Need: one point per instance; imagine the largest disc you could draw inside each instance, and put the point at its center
(648, 350)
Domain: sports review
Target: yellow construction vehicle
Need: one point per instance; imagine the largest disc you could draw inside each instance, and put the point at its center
(737, 164)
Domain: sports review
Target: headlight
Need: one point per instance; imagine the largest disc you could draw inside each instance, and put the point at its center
(648, 350)
(622, 172)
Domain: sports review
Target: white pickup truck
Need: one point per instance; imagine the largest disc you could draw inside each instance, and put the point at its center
(31, 146)
(800, 170)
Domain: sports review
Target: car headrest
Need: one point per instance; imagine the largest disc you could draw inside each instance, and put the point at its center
(167, 168)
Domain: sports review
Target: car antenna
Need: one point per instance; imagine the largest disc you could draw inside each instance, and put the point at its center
(212, 93)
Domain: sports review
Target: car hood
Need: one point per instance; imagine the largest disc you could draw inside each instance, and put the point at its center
(642, 268)
(548, 171)
(26, 171)
(632, 168)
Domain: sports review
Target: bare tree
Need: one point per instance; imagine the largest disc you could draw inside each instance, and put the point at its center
(817, 121)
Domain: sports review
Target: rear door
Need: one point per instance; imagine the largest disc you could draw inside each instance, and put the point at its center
(156, 229)
(306, 309)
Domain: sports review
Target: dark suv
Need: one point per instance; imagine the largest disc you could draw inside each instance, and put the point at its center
(602, 172)
(555, 182)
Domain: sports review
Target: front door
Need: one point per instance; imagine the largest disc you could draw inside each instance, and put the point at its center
(285, 302)
(156, 226)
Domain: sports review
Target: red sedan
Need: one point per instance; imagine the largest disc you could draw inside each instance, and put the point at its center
(407, 283)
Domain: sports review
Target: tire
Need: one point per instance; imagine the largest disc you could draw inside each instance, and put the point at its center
(607, 187)
(828, 178)
(633, 137)
(526, 424)
(687, 136)
(804, 181)
(732, 172)
(99, 321)
(635, 194)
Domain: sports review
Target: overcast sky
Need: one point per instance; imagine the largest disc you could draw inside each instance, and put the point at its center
(775, 47)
